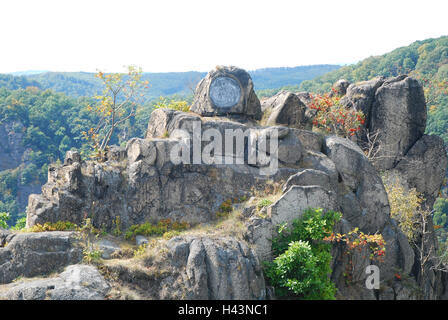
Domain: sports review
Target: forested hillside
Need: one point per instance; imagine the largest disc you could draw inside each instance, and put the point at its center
(78, 84)
(37, 128)
(11, 82)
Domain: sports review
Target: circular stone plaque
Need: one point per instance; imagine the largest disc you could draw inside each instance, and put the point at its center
(225, 92)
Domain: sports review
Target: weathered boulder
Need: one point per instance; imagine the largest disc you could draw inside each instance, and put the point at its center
(77, 282)
(340, 87)
(361, 96)
(72, 156)
(319, 161)
(224, 91)
(424, 167)
(33, 254)
(107, 248)
(164, 121)
(5, 237)
(195, 268)
(309, 177)
(285, 108)
(350, 161)
(399, 115)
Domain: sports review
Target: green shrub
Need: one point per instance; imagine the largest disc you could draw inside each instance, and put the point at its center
(91, 254)
(302, 264)
(149, 229)
(55, 226)
(179, 105)
(263, 203)
(4, 216)
(20, 224)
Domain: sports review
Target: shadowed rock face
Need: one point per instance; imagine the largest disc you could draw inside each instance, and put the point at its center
(218, 269)
(399, 113)
(140, 183)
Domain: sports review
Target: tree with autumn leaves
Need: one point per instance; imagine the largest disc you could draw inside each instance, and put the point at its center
(122, 94)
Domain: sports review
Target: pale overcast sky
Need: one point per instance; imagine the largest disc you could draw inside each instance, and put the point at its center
(183, 35)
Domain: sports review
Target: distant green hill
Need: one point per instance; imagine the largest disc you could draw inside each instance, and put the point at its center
(12, 82)
(78, 84)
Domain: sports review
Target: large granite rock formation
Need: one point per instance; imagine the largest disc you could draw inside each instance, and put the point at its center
(142, 183)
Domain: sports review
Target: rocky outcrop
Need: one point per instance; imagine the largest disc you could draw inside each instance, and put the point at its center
(424, 167)
(361, 96)
(218, 269)
(34, 254)
(399, 114)
(361, 198)
(142, 183)
(225, 91)
(395, 109)
(146, 187)
(77, 282)
(195, 268)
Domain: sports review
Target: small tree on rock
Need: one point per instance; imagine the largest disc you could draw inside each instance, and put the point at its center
(122, 94)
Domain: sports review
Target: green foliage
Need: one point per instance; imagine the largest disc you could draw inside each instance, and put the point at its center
(263, 203)
(302, 263)
(440, 220)
(140, 251)
(405, 207)
(268, 78)
(159, 229)
(225, 208)
(313, 225)
(84, 84)
(440, 216)
(117, 227)
(179, 105)
(303, 272)
(20, 224)
(54, 226)
(4, 217)
(11, 82)
(91, 254)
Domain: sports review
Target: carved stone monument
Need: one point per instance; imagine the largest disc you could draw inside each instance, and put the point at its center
(226, 91)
